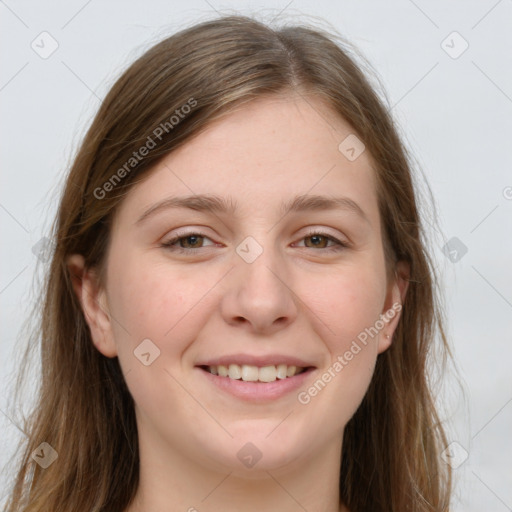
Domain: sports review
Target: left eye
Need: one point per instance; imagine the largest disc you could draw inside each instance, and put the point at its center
(316, 240)
(192, 241)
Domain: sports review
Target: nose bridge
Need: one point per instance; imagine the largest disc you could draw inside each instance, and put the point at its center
(260, 262)
(258, 291)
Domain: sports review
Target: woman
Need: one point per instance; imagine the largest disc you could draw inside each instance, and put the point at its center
(240, 304)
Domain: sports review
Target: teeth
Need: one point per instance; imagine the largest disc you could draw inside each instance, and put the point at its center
(282, 371)
(234, 372)
(268, 374)
(290, 372)
(250, 373)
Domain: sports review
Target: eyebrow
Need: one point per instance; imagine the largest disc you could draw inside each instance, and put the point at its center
(221, 205)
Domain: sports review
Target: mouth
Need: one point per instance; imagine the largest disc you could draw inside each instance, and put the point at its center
(256, 384)
(251, 373)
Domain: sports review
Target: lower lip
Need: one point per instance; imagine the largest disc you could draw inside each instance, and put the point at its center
(258, 391)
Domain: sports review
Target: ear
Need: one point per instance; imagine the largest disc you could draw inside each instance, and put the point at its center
(395, 298)
(93, 300)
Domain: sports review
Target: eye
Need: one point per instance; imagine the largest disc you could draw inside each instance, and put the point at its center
(188, 242)
(319, 239)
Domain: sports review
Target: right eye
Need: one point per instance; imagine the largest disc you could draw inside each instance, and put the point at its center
(191, 239)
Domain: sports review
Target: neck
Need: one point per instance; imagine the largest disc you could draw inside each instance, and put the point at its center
(170, 479)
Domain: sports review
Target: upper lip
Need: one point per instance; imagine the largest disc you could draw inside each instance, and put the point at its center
(253, 360)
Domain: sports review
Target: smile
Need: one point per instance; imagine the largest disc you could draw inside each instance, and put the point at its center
(250, 373)
(271, 382)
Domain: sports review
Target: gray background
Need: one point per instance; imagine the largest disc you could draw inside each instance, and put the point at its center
(455, 113)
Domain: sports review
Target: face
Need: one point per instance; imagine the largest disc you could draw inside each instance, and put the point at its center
(190, 290)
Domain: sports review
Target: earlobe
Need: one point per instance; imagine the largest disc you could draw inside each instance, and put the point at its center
(394, 303)
(93, 300)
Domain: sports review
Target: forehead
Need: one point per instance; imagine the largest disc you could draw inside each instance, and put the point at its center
(261, 156)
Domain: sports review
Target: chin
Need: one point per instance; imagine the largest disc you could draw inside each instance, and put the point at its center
(255, 452)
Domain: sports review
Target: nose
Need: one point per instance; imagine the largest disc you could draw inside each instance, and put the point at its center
(258, 295)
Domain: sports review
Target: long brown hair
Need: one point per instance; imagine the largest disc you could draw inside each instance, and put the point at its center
(84, 411)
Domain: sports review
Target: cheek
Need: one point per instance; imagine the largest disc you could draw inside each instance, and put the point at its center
(157, 303)
(350, 301)
(349, 308)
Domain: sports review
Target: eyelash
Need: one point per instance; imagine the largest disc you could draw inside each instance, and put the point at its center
(170, 243)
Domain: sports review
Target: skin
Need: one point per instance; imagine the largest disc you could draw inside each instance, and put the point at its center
(296, 298)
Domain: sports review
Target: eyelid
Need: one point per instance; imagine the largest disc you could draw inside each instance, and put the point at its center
(339, 244)
(184, 234)
(322, 231)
